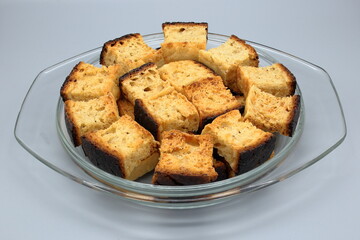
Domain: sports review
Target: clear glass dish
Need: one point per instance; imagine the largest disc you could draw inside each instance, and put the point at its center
(40, 129)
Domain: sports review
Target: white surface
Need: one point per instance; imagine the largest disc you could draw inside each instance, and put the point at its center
(322, 202)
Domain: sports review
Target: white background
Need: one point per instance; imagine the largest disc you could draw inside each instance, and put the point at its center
(321, 202)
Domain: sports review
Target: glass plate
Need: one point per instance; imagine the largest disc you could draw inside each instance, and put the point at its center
(40, 129)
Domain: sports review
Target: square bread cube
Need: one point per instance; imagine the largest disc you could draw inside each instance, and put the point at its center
(130, 51)
(185, 72)
(166, 112)
(183, 40)
(211, 98)
(239, 142)
(271, 113)
(143, 82)
(225, 59)
(82, 117)
(185, 159)
(275, 79)
(86, 82)
(124, 149)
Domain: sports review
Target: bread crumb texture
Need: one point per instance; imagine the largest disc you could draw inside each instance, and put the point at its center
(86, 82)
(130, 51)
(186, 159)
(275, 79)
(182, 73)
(143, 82)
(271, 113)
(86, 116)
(170, 111)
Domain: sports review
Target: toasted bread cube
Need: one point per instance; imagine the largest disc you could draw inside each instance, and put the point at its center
(125, 108)
(185, 159)
(271, 113)
(239, 142)
(123, 149)
(185, 72)
(82, 117)
(225, 59)
(211, 98)
(275, 79)
(130, 51)
(86, 82)
(183, 40)
(143, 82)
(166, 112)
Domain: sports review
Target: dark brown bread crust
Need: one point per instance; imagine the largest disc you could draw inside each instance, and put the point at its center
(294, 116)
(136, 71)
(205, 24)
(102, 159)
(221, 170)
(252, 158)
(229, 172)
(161, 178)
(113, 42)
(72, 130)
(144, 118)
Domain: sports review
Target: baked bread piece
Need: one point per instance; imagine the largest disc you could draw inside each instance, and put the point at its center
(125, 107)
(123, 149)
(143, 82)
(130, 51)
(242, 145)
(275, 79)
(166, 112)
(82, 117)
(86, 82)
(211, 98)
(225, 59)
(185, 72)
(271, 113)
(183, 40)
(185, 159)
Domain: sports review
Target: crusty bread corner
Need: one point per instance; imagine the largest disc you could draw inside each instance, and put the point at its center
(183, 40)
(185, 159)
(239, 142)
(82, 117)
(271, 113)
(275, 79)
(225, 58)
(130, 51)
(124, 149)
(87, 81)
